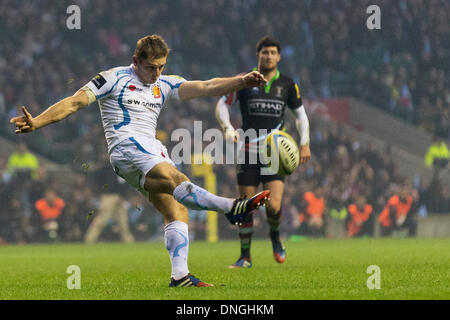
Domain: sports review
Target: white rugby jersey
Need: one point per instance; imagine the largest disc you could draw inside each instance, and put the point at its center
(127, 106)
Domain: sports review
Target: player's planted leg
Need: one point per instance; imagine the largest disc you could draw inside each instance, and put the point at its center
(273, 210)
(189, 281)
(177, 244)
(176, 239)
(171, 192)
(245, 232)
(245, 235)
(274, 220)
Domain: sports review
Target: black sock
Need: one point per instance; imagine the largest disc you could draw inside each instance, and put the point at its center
(245, 234)
(274, 235)
(274, 221)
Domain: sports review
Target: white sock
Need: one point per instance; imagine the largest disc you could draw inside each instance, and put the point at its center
(194, 197)
(176, 238)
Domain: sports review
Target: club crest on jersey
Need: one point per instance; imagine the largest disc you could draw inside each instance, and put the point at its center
(156, 92)
(279, 91)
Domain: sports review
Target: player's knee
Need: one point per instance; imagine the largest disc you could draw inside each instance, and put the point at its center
(165, 182)
(175, 178)
(176, 212)
(179, 178)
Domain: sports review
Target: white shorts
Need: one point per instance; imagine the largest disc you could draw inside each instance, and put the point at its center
(134, 157)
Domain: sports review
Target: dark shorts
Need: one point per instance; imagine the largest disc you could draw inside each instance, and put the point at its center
(250, 175)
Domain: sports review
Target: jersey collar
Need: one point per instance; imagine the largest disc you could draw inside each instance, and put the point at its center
(269, 84)
(139, 79)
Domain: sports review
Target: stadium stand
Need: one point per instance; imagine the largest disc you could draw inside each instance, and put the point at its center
(399, 71)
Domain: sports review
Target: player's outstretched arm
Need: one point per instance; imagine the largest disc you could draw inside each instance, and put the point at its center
(54, 113)
(220, 86)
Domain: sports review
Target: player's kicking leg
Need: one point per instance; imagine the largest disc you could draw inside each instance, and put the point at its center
(168, 189)
(165, 178)
(273, 208)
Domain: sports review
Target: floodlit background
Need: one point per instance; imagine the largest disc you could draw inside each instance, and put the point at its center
(378, 103)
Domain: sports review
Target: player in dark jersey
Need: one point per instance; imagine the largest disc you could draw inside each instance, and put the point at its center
(264, 108)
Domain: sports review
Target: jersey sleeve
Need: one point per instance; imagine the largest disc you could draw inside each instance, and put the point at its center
(170, 86)
(102, 84)
(230, 98)
(294, 97)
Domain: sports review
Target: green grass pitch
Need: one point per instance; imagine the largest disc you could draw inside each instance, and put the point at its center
(315, 269)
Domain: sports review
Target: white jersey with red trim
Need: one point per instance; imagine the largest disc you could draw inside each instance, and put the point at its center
(129, 108)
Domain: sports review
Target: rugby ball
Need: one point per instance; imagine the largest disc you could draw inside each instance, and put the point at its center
(285, 149)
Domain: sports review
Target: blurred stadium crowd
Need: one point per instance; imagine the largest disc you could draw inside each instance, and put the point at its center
(402, 69)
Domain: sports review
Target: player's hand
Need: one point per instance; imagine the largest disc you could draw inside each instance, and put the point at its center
(24, 123)
(254, 79)
(305, 154)
(231, 135)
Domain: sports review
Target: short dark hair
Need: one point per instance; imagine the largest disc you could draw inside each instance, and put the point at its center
(151, 47)
(267, 42)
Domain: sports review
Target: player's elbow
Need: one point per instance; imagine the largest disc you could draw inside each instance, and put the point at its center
(78, 101)
(74, 105)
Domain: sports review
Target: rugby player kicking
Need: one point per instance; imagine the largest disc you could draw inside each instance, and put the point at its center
(264, 108)
(130, 100)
